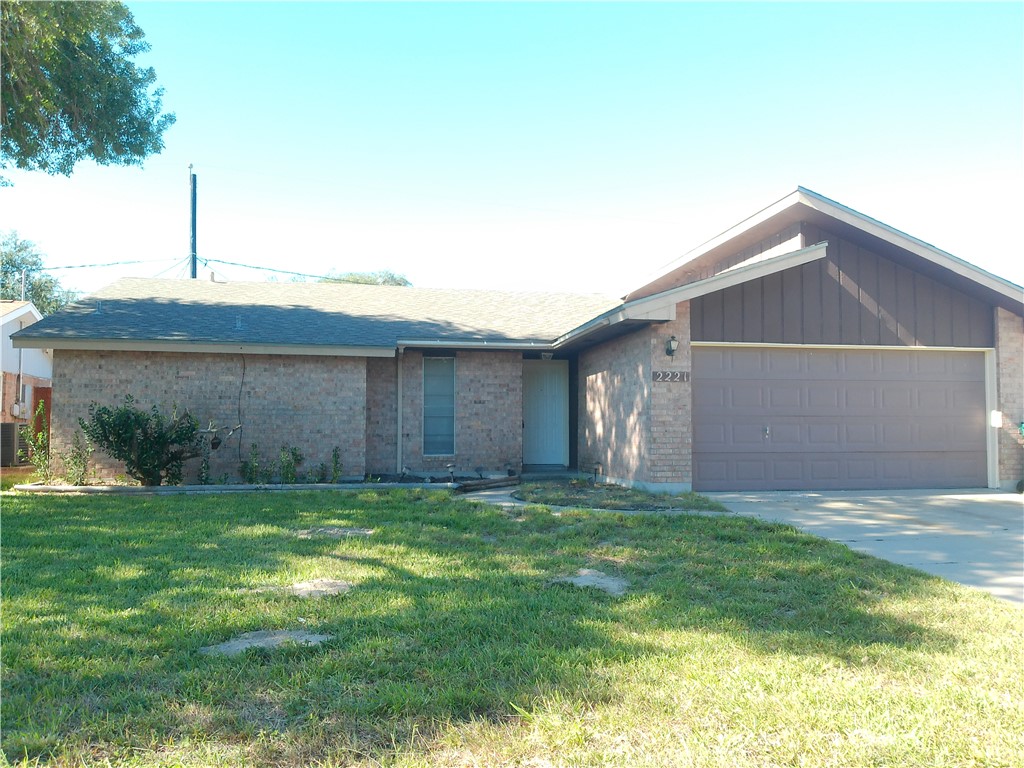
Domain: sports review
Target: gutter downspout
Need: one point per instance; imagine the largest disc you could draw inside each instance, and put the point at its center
(400, 357)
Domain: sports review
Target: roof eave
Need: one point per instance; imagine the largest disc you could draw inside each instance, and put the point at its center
(958, 266)
(164, 345)
(661, 307)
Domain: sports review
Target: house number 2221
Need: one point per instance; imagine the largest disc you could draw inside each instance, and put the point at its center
(671, 375)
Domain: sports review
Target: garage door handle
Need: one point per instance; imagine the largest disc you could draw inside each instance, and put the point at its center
(767, 432)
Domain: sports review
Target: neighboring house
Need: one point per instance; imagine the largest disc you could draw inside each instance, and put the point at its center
(26, 376)
(809, 347)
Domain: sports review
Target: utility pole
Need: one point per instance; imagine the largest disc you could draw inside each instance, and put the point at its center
(192, 187)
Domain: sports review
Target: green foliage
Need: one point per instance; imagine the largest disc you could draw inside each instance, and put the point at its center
(290, 458)
(37, 437)
(336, 465)
(383, 277)
(76, 460)
(41, 289)
(70, 88)
(254, 470)
(152, 448)
(204, 465)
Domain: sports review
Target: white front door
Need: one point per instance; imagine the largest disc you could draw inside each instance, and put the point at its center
(546, 412)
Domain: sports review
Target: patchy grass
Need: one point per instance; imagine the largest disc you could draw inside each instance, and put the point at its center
(738, 643)
(12, 476)
(586, 494)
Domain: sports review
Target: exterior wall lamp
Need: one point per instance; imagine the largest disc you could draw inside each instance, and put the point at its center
(671, 346)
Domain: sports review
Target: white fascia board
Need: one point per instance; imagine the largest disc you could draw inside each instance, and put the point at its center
(121, 345)
(662, 306)
(734, 231)
(733, 276)
(910, 243)
(20, 312)
(473, 344)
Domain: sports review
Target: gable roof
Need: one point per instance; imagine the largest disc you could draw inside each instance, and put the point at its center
(307, 318)
(806, 206)
(11, 308)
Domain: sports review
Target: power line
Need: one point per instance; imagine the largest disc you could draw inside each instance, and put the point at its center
(268, 269)
(109, 264)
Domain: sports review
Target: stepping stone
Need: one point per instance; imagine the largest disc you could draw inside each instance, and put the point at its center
(585, 577)
(264, 639)
(319, 588)
(332, 532)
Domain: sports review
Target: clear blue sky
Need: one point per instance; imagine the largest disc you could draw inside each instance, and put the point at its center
(545, 146)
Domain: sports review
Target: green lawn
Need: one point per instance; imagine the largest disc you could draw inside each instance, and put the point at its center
(738, 643)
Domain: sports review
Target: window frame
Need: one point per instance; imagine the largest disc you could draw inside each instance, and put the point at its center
(437, 358)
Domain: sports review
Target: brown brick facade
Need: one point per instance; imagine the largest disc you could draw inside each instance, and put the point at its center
(638, 429)
(313, 403)
(1010, 394)
(488, 413)
(381, 415)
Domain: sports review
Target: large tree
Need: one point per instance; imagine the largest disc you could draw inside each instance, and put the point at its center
(70, 90)
(383, 277)
(41, 289)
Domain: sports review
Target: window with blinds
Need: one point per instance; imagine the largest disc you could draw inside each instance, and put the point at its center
(438, 406)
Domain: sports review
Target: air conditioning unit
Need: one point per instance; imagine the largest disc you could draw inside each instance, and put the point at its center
(11, 442)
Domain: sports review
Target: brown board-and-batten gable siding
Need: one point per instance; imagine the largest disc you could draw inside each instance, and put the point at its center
(853, 296)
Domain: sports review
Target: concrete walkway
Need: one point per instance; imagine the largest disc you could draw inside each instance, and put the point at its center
(972, 537)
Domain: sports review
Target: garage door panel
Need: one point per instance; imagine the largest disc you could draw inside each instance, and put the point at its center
(747, 396)
(861, 397)
(746, 435)
(823, 361)
(863, 419)
(780, 396)
(899, 364)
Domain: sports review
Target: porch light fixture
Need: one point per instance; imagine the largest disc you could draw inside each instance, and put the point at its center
(671, 346)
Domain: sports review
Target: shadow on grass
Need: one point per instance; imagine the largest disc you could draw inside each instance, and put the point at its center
(108, 601)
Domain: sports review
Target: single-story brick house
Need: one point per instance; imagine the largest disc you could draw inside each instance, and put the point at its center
(809, 347)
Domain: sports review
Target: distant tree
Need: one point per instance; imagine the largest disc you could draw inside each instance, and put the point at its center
(70, 89)
(383, 277)
(41, 289)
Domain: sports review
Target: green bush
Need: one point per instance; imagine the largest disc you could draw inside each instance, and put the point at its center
(152, 447)
(291, 457)
(76, 460)
(38, 444)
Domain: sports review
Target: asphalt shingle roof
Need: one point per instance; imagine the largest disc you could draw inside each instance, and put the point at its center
(315, 314)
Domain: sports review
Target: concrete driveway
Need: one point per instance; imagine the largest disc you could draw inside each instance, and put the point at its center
(972, 537)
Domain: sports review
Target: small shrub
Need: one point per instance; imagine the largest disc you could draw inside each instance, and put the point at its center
(336, 465)
(76, 460)
(254, 470)
(152, 448)
(290, 458)
(37, 437)
(204, 466)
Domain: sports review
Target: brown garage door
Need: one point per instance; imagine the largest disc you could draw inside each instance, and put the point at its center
(797, 418)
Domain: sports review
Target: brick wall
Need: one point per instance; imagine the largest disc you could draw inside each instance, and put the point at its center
(313, 403)
(10, 393)
(671, 436)
(614, 386)
(381, 414)
(1010, 394)
(488, 412)
(638, 429)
